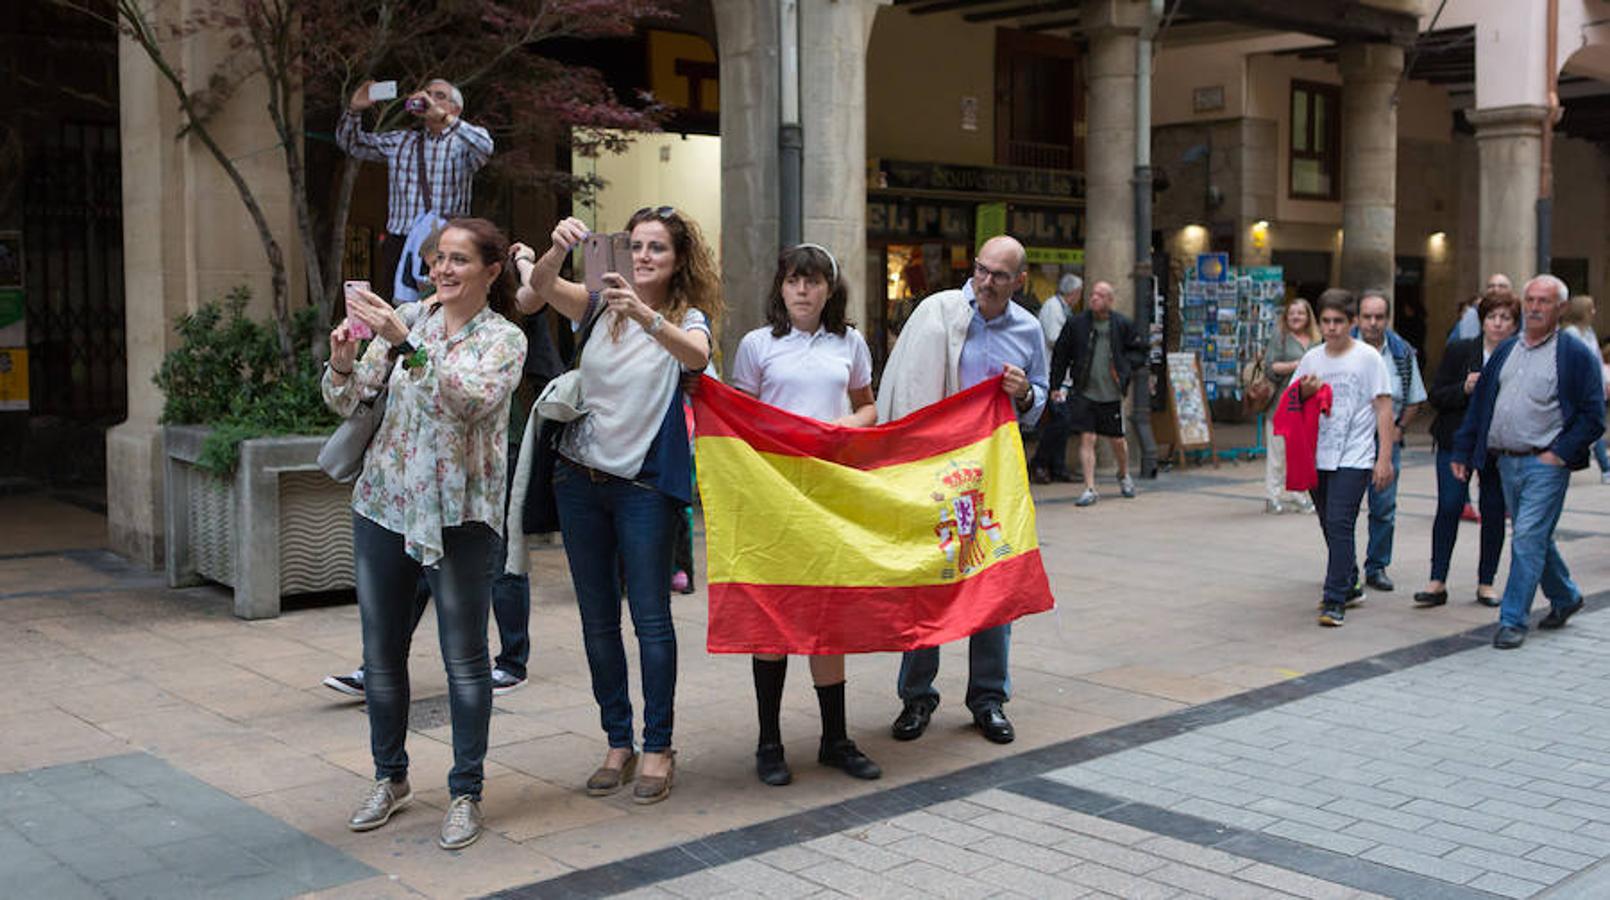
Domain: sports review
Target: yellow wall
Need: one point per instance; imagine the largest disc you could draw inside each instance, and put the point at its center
(657, 170)
(918, 70)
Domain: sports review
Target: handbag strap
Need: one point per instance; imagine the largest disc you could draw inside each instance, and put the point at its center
(424, 172)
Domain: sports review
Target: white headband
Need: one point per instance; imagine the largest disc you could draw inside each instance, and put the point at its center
(830, 259)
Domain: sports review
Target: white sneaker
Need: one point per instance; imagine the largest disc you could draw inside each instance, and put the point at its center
(1604, 477)
(503, 682)
(1126, 487)
(351, 685)
(1088, 498)
(1273, 507)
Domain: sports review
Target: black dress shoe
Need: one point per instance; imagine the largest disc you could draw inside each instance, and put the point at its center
(1485, 600)
(1508, 637)
(844, 755)
(1379, 581)
(1557, 617)
(994, 724)
(1431, 598)
(770, 765)
(913, 720)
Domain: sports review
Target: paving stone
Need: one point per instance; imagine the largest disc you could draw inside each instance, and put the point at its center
(1347, 845)
(1026, 855)
(1193, 855)
(1456, 815)
(1506, 885)
(1030, 882)
(1381, 815)
(1521, 813)
(1119, 884)
(1125, 859)
(938, 853)
(1295, 883)
(1212, 884)
(105, 857)
(938, 882)
(1472, 837)
(857, 882)
(1564, 859)
(754, 878)
(960, 834)
(163, 884)
(1421, 864)
(1587, 810)
(858, 853)
(1296, 812)
(1114, 832)
(794, 858)
(1509, 865)
(1022, 829)
(1564, 840)
(1229, 815)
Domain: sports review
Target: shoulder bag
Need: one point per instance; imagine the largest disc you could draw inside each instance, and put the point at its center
(341, 457)
(562, 397)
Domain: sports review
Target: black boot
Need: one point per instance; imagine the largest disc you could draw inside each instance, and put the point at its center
(769, 763)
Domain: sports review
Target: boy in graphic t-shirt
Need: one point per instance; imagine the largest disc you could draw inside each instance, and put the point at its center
(1360, 421)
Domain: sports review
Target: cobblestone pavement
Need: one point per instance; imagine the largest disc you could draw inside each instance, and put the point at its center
(1184, 728)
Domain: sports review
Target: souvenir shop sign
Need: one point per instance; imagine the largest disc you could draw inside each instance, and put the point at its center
(896, 175)
(909, 218)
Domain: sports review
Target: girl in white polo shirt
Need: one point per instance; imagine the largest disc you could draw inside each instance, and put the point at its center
(809, 361)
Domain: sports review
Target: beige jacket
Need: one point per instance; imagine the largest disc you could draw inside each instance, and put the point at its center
(925, 364)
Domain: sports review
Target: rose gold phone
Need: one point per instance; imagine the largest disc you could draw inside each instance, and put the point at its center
(356, 327)
(602, 253)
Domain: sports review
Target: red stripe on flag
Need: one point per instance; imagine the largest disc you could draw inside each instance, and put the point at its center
(806, 619)
(956, 421)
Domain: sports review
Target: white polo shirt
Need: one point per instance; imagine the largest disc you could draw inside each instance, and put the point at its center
(810, 374)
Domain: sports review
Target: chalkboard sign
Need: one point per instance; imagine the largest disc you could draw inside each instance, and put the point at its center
(1190, 418)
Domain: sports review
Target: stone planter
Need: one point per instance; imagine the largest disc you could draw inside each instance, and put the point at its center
(278, 527)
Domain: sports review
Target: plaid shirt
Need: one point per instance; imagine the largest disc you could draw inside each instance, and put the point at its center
(451, 160)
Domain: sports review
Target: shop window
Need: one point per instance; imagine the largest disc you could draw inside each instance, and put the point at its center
(1039, 101)
(1316, 118)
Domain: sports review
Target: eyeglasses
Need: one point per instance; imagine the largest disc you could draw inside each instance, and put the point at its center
(997, 277)
(655, 212)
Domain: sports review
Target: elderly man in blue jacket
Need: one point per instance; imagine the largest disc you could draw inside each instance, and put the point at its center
(1538, 407)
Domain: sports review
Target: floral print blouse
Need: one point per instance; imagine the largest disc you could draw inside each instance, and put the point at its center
(440, 456)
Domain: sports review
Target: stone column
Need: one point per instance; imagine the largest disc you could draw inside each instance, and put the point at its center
(1509, 147)
(1113, 27)
(1369, 164)
(833, 52)
(187, 239)
(746, 37)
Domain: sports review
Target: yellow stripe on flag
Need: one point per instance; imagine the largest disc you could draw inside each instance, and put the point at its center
(797, 520)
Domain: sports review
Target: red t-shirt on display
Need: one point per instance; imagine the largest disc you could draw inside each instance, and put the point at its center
(1297, 420)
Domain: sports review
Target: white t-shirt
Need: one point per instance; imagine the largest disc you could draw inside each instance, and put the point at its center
(808, 374)
(1356, 378)
(626, 386)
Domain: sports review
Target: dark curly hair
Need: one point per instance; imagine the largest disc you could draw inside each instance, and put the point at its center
(808, 262)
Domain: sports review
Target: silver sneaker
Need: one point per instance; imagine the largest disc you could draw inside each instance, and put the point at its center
(385, 797)
(462, 824)
(1087, 498)
(1126, 487)
(1274, 507)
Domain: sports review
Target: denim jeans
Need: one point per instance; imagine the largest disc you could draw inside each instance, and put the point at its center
(462, 586)
(1452, 495)
(1051, 453)
(605, 519)
(511, 607)
(988, 683)
(1337, 498)
(1534, 492)
(1383, 519)
(1601, 456)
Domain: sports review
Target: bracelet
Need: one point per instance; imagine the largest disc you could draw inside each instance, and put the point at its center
(346, 374)
(653, 328)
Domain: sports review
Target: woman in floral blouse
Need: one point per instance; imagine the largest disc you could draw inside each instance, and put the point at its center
(624, 473)
(431, 495)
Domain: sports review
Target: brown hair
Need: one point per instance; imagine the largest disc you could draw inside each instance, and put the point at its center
(695, 282)
(808, 262)
(493, 247)
(1499, 298)
(1338, 300)
(1579, 311)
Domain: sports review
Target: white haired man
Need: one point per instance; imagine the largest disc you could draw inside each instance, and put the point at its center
(429, 169)
(1537, 407)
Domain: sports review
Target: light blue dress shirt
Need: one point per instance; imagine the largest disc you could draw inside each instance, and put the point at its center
(1011, 337)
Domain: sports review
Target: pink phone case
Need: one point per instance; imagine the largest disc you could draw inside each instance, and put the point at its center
(359, 329)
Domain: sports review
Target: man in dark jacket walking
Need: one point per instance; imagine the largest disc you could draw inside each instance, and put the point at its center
(1098, 347)
(1537, 408)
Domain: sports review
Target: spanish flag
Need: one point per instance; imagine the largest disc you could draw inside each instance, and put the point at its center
(827, 539)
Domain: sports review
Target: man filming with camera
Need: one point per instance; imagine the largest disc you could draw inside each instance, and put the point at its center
(429, 169)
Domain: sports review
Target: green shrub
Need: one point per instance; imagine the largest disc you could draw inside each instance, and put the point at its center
(227, 373)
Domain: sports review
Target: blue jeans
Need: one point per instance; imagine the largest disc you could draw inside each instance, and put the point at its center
(1535, 494)
(1337, 498)
(605, 520)
(1452, 495)
(1383, 520)
(988, 683)
(1601, 456)
(462, 585)
(511, 607)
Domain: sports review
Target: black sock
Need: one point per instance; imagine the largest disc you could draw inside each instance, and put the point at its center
(769, 676)
(830, 697)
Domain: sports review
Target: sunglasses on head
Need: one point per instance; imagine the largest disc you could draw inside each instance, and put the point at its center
(655, 212)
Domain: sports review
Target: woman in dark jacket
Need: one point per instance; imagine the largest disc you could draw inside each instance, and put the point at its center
(1450, 395)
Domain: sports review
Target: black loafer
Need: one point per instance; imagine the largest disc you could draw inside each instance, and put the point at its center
(1431, 598)
(913, 720)
(1379, 581)
(847, 757)
(1558, 617)
(994, 724)
(1508, 637)
(770, 765)
(1484, 600)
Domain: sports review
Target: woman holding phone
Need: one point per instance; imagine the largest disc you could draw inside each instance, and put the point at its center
(624, 469)
(431, 498)
(808, 360)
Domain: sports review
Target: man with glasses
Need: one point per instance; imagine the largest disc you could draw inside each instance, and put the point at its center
(954, 340)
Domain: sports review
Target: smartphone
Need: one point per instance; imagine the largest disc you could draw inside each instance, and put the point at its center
(602, 253)
(358, 328)
(383, 90)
